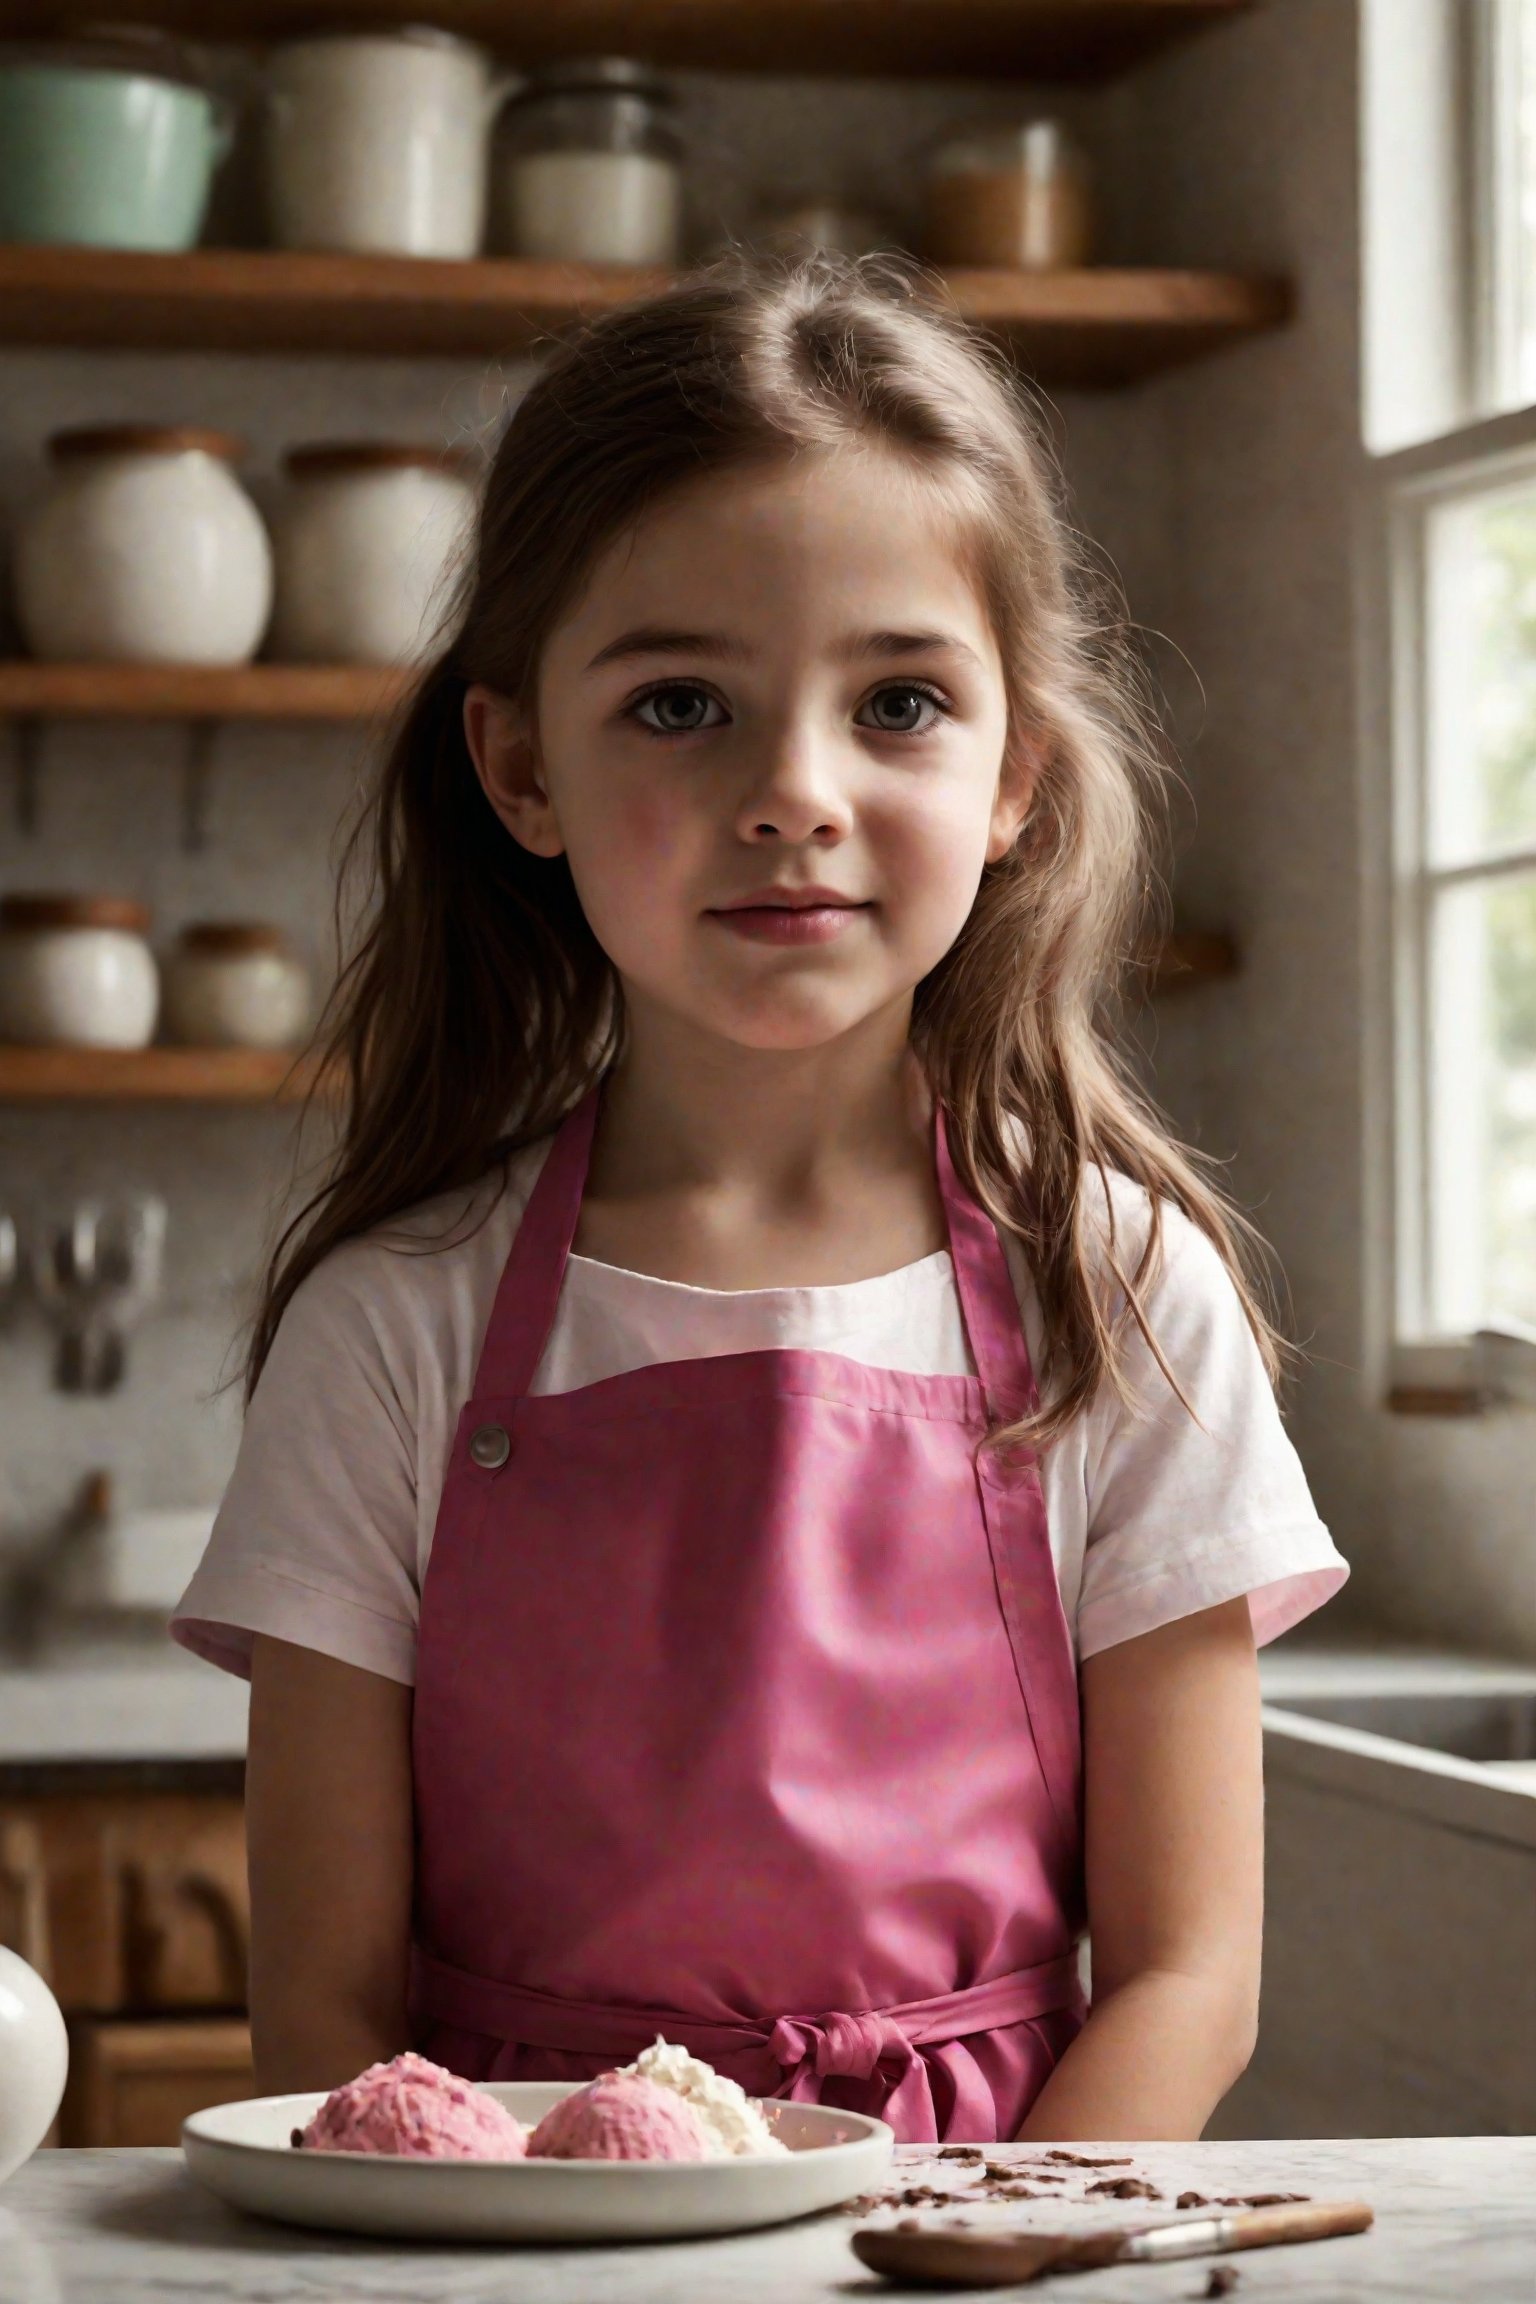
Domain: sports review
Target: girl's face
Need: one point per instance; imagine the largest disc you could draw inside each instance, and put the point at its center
(771, 739)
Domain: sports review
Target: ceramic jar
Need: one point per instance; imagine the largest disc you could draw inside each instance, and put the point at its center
(587, 166)
(146, 550)
(1016, 197)
(235, 984)
(379, 141)
(34, 2059)
(106, 141)
(365, 543)
(76, 972)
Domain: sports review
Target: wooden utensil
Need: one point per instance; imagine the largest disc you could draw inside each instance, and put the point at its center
(936, 2257)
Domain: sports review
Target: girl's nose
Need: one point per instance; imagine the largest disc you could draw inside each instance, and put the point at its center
(798, 795)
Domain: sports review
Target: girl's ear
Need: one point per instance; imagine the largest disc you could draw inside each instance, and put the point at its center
(1020, 773)
(504, 748)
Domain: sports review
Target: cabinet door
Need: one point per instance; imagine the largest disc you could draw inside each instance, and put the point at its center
(135, 2083)
(128, 1900)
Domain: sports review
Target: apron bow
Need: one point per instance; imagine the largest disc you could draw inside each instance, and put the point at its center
(853, 2047)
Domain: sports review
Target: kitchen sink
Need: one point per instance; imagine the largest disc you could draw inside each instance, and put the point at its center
(1497, 1729)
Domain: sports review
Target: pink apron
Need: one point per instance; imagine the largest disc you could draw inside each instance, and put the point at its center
(746, 1712)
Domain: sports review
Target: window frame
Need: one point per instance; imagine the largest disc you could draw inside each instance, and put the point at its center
(1457, 331)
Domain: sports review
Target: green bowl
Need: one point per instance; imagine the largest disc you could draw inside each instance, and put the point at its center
(105, 159)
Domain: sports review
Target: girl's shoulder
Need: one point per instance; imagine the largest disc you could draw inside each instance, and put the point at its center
(421, 1281)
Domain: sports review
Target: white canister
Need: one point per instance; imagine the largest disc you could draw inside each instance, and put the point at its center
(145, 550)
(588, 166)
(235, 984)
(76, 972)
(367, 541)
(378, 142)
(34, 2060)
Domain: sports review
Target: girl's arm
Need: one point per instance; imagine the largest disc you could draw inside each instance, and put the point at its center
(1175, 1848)
(328, 1818)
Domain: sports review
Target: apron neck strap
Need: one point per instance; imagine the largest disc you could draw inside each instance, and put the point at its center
(988, 1300)
(529, 1292)
(524, 1310)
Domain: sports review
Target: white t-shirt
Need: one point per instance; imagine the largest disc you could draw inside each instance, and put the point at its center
(326, 1528)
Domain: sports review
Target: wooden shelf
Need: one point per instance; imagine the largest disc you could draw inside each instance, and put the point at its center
(1016, 39)
(31, 691)
(1192, 956)
(1092, 327)
(149, 1076)
(252, 1076)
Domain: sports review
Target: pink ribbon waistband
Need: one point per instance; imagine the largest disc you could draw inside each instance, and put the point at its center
(804, 2049)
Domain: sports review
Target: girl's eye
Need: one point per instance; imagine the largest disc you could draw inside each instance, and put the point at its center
(678, 710)
(903, 709)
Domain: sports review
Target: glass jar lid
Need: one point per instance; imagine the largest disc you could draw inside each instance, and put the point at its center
(596, 76)
(1026, 148)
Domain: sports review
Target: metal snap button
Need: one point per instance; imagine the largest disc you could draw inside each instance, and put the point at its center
(490, 1447)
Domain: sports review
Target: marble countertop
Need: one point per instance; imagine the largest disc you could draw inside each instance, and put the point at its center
(1456, 2220)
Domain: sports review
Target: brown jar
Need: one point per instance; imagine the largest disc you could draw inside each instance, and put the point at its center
(1010, 197)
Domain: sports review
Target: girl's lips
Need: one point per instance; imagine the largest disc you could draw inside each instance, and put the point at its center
(788, 923)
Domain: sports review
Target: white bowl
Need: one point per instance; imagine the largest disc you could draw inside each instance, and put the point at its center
(243, 2152)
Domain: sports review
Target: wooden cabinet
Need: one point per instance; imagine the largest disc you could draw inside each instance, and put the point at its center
(134, 2080)
(131, 1900)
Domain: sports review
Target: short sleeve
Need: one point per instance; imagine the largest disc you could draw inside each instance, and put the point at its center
(1187, 1510)
(316, 1539)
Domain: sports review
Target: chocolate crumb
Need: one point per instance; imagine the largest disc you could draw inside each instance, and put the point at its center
(1191, 2200)
(296, 2139)
(1017, 2192)
(1076, 2160)
(1125, 2188)
(971, 2153)
(910, 2224)
(1221, 2280)
(1270, 2199)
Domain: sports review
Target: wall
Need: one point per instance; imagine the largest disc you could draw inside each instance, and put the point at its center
(111, 797)
(1273, 512)
(1229, 497)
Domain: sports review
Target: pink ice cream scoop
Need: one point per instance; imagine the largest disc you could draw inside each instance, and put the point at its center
(417, 2111)
(620, 2116)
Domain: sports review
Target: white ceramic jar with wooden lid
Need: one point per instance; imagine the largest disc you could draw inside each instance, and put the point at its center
(76, 972)
(235, 984)
(367, 540)
(146, 549)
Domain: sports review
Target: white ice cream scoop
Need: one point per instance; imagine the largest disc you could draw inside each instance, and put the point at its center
(34, 2057)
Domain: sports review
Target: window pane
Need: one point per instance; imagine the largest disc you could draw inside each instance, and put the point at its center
(1515, 194)
(1482, 676)
(1482, 1117)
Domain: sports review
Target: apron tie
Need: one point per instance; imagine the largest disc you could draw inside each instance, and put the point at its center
(786, 2056)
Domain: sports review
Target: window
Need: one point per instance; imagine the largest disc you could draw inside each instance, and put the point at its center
(1470, 934)
(1506, 225)
(1450, 414)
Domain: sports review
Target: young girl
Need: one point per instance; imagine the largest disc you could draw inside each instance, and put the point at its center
(670, 1604)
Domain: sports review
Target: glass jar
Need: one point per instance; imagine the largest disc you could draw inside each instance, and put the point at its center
(145, 550)
(588, 166)
(76, 972)
(1011, 197)
(235, 984)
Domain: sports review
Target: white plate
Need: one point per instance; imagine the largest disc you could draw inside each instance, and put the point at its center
(243, 2152)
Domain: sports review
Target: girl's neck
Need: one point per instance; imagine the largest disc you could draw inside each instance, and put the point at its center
(685, 1112)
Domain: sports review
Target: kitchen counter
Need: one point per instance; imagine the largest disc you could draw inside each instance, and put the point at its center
(166, 1718)
(1456, 2220)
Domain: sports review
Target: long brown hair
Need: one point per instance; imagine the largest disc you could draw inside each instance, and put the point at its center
(477, 1006)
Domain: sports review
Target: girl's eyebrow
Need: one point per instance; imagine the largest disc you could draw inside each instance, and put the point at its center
(658, 640)
(908, 644)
